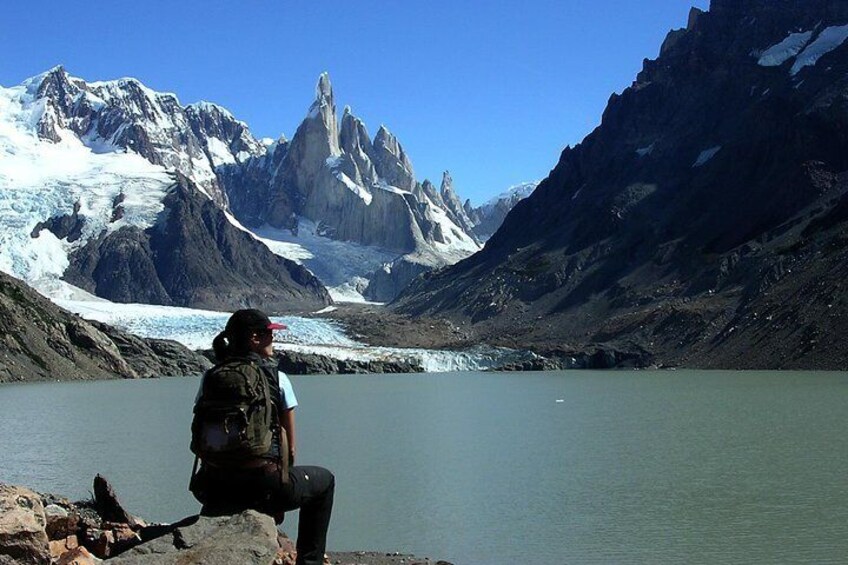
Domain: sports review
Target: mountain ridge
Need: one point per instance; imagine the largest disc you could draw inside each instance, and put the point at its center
(330, 175)
(672, 226)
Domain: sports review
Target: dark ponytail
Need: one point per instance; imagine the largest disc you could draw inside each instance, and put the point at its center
(225, 345)
(221, 347)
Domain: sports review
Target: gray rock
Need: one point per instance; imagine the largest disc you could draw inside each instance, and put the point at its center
(391, 161)
(296, 363)
(386, 283)
(249, 538)
(453, 205)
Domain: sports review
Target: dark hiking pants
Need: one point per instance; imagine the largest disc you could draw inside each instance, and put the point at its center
(230, 491)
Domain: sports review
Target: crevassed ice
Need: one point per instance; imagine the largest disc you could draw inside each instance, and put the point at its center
(478, 358)
(827, 41)
(778, 54)
(197, 328)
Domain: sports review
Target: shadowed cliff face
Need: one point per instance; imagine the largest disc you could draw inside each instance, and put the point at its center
(713, 185)
(40, 341)
(193, 256)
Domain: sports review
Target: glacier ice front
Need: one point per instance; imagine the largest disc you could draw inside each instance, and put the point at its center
(197, 328)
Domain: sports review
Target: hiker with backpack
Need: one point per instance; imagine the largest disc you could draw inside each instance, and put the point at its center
(243, 436)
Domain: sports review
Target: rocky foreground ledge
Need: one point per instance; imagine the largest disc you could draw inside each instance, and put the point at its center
(43, 529)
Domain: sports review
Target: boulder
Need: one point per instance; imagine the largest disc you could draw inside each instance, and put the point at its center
(249, 538)
(59, 547)
(107, 504)
(78, 556)
(60, 523)
(23, 539)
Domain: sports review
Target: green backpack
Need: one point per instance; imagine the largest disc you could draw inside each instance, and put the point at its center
(233, 414)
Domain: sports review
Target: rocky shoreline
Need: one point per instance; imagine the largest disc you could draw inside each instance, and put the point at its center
(382, 326)
(44, 529)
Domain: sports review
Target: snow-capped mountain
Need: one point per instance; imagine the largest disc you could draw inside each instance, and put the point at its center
(86, 159)
(91, 190)
(193, 140)
(335, 182)
(486, 219)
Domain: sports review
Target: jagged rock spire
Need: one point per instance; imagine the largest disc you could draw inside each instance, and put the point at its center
(324, 110)
(356, 144)
(391, 161)
(453, 204)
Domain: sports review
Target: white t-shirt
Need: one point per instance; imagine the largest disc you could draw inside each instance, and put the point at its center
(286, 390)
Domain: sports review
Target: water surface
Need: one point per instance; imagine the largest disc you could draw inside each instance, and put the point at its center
(483, 468)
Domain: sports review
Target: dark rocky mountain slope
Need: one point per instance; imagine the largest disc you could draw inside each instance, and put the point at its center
(703, 222)
(40, 341)
(192, 256)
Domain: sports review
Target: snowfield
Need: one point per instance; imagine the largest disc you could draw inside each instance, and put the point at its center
(40, 180)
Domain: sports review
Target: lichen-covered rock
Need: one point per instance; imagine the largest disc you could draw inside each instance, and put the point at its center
(23, 539)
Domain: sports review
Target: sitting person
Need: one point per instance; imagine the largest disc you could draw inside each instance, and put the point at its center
(243, 434)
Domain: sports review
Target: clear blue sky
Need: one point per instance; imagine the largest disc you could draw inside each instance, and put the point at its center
(490, 90)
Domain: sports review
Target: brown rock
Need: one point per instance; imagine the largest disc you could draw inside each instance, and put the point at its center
(124, 538)
(287, 554)
(78, 556)
(22, 536)
(61, 522)
(103, 545)
(60, 547)
(108, 505)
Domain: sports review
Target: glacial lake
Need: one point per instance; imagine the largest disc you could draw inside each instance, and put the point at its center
(488, 468)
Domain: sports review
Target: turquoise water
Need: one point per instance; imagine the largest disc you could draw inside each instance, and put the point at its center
(476, 468)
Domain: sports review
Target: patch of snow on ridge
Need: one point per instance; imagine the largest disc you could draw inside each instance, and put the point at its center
(360, 191)
(458, 245)
(40, 180)
(778, 54)
(827, 41)
(219, 153)
(643, 151)
(706, 155)
(515, 193)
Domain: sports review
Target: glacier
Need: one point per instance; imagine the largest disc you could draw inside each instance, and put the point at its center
(197, 328)
(40, 180)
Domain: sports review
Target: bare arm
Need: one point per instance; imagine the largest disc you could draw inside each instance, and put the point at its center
(287, 421)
